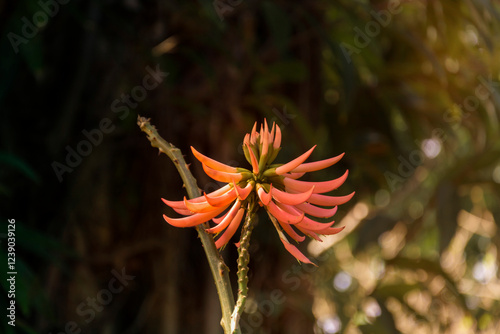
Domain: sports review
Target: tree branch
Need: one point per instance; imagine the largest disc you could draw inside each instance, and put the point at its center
(220, 271)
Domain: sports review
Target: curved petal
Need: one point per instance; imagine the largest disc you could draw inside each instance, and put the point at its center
(271, 134)
(222, 176)
(224, 199)
(293, 176)
(226, 219)
(193, 220)
(199, 207)
(294, 163)
(320, 187)
(180, 204)
(242, 193)
(291, 232)
(316, 211)
(317, 165)
(229, 232)
(265, 140)
(212, 163)
(309, 233)
(277, 138)
(295, 252)
(264, 197)
(291, 199)
(255, 164)
(331, 230)
(253, 134)
(184, 212)
(219, 219)
(282, 216)
(312, 225)
(174, 204)
(329, 200)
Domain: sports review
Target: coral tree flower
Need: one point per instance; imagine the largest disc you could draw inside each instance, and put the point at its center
(292, 204)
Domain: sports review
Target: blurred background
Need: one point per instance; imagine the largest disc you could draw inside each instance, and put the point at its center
(410, 90)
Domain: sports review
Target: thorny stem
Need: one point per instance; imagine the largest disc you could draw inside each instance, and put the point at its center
(243, 260)
(220, 271)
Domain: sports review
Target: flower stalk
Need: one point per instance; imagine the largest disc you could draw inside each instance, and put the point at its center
(220, 271)
(243, 260)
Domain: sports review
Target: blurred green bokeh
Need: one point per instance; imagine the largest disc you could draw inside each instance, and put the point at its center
(410, 90)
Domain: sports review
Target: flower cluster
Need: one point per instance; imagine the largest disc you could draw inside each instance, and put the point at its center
(289, 202)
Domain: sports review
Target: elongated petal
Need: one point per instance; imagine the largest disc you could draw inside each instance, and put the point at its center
(291, 232)
(199, 207)
(200, 199)
(265, 139)
(242, 193)
(212, 163)
(295, 252)
(265, 149)
(329, 200)
(271, 135)
(292, 210)
(293, 176)
(229, 232)
(294, 163)
(184, 212)
(255, 164)
(309, 233)
(180, 204)
(246, 142)
(214, 193)
(175, 204)
(222, 200)
(317, 165)
(283, 216)
(253, 134)
(316, 211)
(331, 230)
(291, 199)
(195, 219)
(319, 187)
(312, 225)
(222, 176)
(277, 138)
(265, 198)
(265, 146)
(226, 219)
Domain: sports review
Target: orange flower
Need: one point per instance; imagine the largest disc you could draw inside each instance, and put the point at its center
(289, 202)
